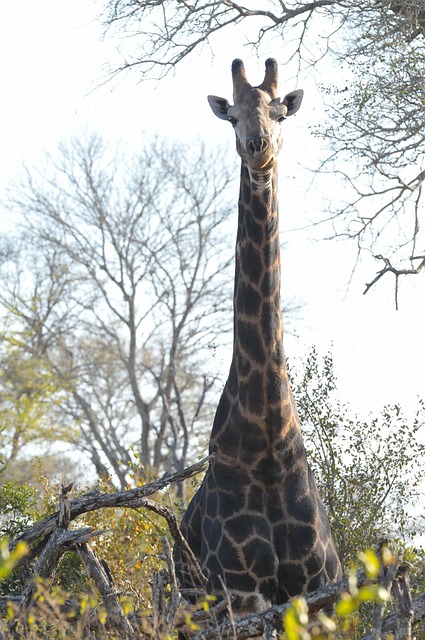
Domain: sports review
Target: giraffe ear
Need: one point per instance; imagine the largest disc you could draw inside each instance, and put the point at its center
(293, 101)
(220, 107)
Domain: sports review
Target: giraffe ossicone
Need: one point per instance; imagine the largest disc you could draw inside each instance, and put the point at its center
(257, 523)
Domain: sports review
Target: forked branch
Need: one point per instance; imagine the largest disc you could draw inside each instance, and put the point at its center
(389, 268)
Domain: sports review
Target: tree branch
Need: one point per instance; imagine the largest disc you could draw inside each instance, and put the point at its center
(133, 498)
(389, 268)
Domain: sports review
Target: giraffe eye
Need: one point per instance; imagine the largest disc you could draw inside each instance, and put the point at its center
(232, 121)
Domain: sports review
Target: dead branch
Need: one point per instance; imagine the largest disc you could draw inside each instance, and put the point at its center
(59, 542)
(178, 538)
(387, 578)
(175, 598)
(133, 498)
(273, 616)
(99, 572)
(65, 506)
(57, 539)
(413, 612)
(403, 604)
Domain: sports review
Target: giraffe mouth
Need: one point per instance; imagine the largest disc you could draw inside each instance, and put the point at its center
(263, 163)
(269, 164)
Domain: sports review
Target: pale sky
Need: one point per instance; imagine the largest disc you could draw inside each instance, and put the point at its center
(50, 77)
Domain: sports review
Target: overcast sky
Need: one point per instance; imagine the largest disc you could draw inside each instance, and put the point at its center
(51, 84)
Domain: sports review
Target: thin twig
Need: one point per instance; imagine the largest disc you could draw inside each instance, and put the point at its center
(388, 268)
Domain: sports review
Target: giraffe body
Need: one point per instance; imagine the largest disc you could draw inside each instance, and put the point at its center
(257, 523)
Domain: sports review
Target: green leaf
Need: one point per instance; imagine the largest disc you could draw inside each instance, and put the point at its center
(346, 605)
(371, 563)
(374, 593)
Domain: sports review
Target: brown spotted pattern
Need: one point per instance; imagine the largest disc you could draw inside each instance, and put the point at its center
(257, 523)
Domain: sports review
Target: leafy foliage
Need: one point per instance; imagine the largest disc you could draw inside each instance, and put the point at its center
(9, 559)
(130, 542)
(132, 546)
(18, 508)
(29, 393)
(347, 622)
(369, 472)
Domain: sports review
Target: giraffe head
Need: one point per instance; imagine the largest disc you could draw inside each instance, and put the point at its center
(256, 115)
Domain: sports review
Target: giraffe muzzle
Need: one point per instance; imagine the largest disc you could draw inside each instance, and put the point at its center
(258, 145)
(259, 152)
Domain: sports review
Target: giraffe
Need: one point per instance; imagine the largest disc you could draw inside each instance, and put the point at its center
(257, 523)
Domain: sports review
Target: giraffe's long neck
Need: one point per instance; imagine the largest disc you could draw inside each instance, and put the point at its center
(258, 358)
(256, 413)
(257, 311)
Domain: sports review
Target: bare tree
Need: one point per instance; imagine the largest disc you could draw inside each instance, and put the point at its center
(376, 130)
(126, 287)
(376, 122)
(161, 33)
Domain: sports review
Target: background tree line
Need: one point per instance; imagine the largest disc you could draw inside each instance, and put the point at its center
(117, 288)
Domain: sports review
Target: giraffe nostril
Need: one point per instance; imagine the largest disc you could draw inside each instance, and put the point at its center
(259, 144)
